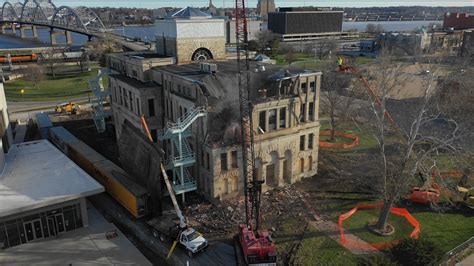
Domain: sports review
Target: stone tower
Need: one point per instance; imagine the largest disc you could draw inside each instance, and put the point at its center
(264, 7)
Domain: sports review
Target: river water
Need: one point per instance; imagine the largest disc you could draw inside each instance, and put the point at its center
(148, 33)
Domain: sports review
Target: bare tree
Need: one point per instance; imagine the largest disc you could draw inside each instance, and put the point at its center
(265, 39)
(374, 28)
(337, 98)
(417, 121)
(289, 54)
(325, 47)
(34, 74)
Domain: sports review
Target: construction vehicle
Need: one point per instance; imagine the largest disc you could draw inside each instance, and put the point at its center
(188, 237)
(431, 192)
(69, 108)
(466, 196)
(252, 245)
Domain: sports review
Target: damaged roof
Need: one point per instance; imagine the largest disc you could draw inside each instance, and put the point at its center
(223, 83)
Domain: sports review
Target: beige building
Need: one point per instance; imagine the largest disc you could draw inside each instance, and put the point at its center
(264, 7)
(191, 35)
(285, 118)
(133, 91)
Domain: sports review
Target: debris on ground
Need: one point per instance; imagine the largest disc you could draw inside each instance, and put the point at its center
(221, 221)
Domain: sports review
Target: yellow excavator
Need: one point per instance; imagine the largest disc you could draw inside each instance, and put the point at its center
(69, 108)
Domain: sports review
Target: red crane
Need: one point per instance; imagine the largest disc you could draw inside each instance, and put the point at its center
(256, 245)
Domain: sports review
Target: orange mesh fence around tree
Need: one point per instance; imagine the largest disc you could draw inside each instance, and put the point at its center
(329, 145)
(381, 245)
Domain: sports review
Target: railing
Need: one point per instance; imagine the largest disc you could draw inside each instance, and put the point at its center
(188, 118)
(453, 252)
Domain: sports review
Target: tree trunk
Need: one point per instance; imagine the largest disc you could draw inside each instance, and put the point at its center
(384, 214)
(333, 129)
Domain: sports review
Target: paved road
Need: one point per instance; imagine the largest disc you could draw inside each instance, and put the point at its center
(14, 107)
(27, 110)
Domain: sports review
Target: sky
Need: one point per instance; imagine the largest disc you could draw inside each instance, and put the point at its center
(253, 3)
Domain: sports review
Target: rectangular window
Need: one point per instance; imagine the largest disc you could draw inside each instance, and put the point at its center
(151, 107)
(302, 112)
(134, 73)
(121, 95)
(311, 111)
(304, 87)
(202, 158)
(138, 106)
(179, 88)
(125, 98)
(312, 86)
(154, 135)
(310, 141)
(262, 121)
(233, 157)
(302, 144)
(224, 162)
(131, 100)
(208, 161)
(283, 117)
(272, 119)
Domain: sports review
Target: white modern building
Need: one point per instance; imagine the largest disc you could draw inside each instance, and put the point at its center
(43, 194)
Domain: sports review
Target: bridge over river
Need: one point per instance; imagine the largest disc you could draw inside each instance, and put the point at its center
(28, 15)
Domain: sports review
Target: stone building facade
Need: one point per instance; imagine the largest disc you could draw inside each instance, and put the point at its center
(286, 125)
(285, 116)
(133, 92)
(191, 35)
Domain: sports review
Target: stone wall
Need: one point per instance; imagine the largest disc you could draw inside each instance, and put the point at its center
(186, 48)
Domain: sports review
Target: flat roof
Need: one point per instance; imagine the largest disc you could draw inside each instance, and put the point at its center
(84, 246)
(37, 174)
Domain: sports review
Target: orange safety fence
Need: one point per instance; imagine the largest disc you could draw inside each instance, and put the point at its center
(381, 245)
(327, 144)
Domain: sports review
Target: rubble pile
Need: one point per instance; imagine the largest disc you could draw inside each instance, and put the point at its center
(222, 220)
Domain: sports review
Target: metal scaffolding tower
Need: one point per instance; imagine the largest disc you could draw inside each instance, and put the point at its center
(181, 156)
(100, 97)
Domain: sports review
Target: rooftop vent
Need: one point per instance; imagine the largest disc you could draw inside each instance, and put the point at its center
(208, 67)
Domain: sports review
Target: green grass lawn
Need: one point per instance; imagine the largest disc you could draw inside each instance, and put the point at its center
(317, 65)
(448, 229)
(357, 224)
(50, 88)
(338, 139)
(367, 139)
(316, 248)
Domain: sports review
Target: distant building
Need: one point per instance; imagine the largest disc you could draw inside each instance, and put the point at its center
(264, 7)
(190, 35)
(305, 24)
(254, 27)
(211, 9)
(448, 41)
(407, 41)
(458, 21)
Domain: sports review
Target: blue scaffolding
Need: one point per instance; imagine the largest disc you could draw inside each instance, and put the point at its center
(100, 95)
(181, 156)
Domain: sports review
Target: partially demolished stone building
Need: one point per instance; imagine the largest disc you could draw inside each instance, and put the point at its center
(285, 119)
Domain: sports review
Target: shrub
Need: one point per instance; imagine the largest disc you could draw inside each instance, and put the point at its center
(415, 252)
(376, 260)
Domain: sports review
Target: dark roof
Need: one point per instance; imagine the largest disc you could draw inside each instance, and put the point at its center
(135, 83)
(223, 84)
(222, 91)
(190, 12)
